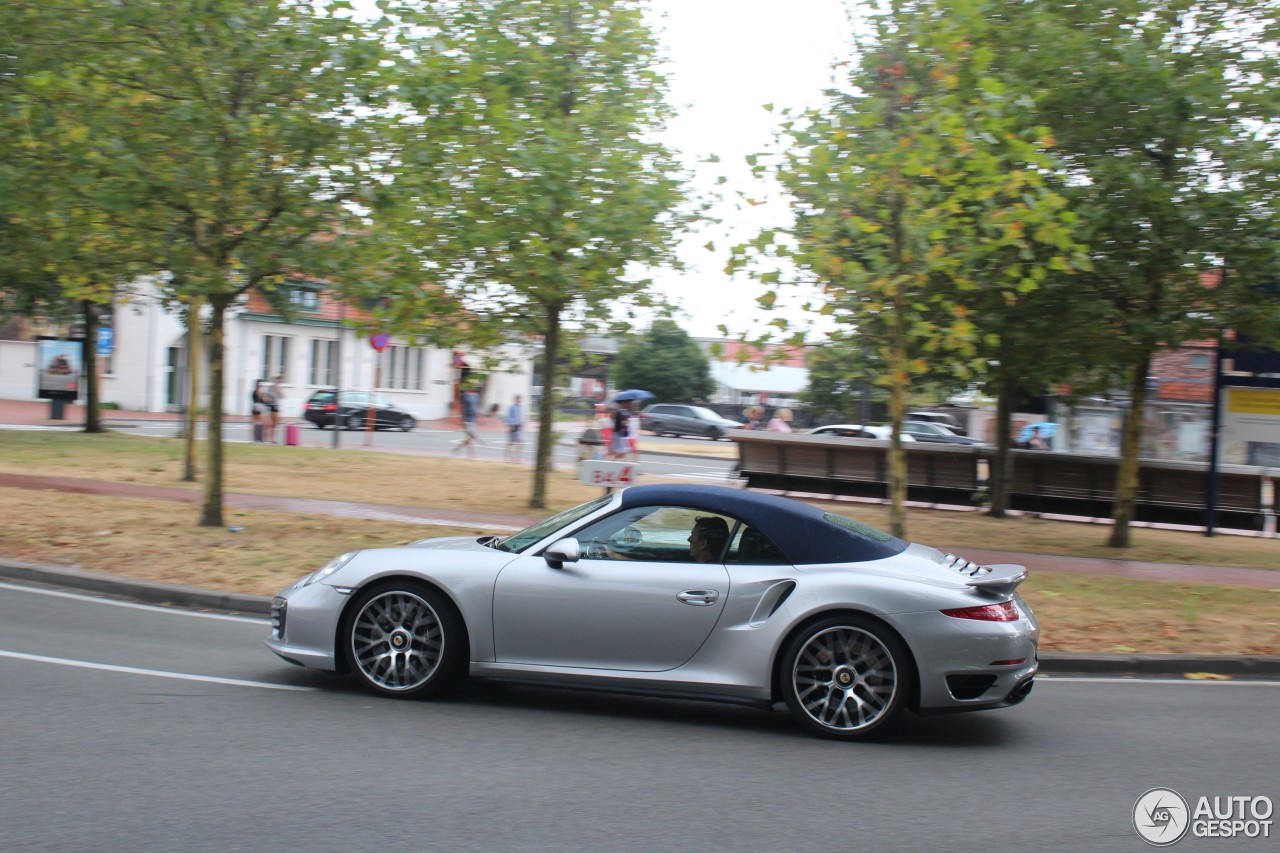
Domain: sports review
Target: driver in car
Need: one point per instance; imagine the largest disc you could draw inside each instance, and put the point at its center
(708, 538)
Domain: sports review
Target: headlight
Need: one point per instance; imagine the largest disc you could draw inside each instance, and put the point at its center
(329, 568)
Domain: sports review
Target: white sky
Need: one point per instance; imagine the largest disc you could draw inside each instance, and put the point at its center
(727, 59)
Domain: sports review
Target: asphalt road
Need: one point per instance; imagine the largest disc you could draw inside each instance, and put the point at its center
(132, 728)
(657, 454)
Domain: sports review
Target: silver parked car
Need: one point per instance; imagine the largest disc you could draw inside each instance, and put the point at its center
(685, 591)
(681, 420)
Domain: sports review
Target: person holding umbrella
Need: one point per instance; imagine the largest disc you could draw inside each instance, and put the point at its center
(621, 445)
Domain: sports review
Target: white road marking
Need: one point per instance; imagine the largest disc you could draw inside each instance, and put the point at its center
(226, 617)
(1237, 680)
(157, 673)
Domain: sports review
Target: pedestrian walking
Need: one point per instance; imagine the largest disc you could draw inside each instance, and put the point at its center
(470, 402)
(258, 406)
(781, 421)
(276, 394)
(620, 443)
(515, 431)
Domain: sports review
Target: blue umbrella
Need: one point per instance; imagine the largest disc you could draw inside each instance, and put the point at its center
(633, 394)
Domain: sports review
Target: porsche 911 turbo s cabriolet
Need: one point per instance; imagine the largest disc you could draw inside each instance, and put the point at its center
(685, 591)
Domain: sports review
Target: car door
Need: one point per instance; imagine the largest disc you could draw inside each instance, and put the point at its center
(684, 421)
(636, 601)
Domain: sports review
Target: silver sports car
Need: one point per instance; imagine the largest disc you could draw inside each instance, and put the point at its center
(687, 591)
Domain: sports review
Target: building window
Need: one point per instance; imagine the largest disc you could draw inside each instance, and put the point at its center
(1200, 361)
(324, 361)
(304, 298)
(403, 368)
(275, 357)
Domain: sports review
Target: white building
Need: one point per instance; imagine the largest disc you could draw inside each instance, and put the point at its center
(314, 349)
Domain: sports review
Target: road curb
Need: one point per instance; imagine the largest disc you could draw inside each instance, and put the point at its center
(1058, 663)
(151, 592)
(1051, 663)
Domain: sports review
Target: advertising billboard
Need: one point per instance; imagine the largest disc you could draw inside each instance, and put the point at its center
(58, 368)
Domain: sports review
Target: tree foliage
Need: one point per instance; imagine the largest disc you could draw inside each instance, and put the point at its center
(666, 362)
(532, 191)
(916, 185)
(1164, 112)
(224, 142)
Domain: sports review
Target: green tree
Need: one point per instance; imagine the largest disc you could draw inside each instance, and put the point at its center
(1164, 114)
(666, 362)
(229, 139)
(842, 376)
(533, 191)
(908, 185)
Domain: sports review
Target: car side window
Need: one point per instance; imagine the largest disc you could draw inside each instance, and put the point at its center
(750, 547)
(660, 534)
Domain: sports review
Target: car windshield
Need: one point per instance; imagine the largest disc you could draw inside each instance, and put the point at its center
(519, 541)
(704, 414)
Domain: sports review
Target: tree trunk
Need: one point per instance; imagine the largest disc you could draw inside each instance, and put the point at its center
(192, 402)
(546, 408)
(1130, 444)
(211, 516)
(1000, 476)
(92, 401)
(897, 408)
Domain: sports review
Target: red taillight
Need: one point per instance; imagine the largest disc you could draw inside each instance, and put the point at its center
(330, 407)
(1002, 612)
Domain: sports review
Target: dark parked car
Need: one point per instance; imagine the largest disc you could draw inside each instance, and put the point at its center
(351, 409)
(685, 420)
(936, 433)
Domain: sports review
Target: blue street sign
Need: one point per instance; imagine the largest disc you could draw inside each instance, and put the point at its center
(106, 340)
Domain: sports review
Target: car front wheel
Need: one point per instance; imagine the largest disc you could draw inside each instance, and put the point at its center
(403, 640)
(407, 424)
(714, 433)
(845, 676)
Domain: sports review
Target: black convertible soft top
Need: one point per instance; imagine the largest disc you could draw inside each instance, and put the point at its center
(805, 534)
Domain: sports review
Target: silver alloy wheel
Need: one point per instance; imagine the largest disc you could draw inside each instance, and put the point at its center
(845, 678)
(397, 641)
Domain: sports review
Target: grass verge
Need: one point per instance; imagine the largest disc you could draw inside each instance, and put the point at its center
(159, 540)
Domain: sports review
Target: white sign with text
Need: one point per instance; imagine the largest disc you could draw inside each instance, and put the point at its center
(616, 475)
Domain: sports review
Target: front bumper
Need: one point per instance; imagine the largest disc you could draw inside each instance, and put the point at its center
(304, 626)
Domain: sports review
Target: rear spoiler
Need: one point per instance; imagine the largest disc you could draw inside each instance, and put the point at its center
(1001, 579)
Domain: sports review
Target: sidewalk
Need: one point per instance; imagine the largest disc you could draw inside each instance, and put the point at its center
(36, 414)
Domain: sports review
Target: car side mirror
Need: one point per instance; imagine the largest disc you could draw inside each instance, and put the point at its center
(561, 552)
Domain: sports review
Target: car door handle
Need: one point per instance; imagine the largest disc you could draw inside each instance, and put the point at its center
(698, 597)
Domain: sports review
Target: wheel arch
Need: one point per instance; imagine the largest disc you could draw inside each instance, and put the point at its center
(341, 656)
(775, 665)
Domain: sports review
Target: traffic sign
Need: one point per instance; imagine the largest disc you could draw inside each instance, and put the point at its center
(106, 340)
(616, 475)
(380, 341)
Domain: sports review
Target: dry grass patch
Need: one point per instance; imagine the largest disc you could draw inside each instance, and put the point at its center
(160, 541)
(1081, 613)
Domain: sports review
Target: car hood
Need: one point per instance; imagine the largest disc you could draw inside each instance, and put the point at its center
(454, 543)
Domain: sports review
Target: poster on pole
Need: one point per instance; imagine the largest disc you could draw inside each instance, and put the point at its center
(58, 367)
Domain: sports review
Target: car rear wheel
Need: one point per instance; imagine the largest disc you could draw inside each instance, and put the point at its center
(354, 421)
(845, 676)
(403, 640)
